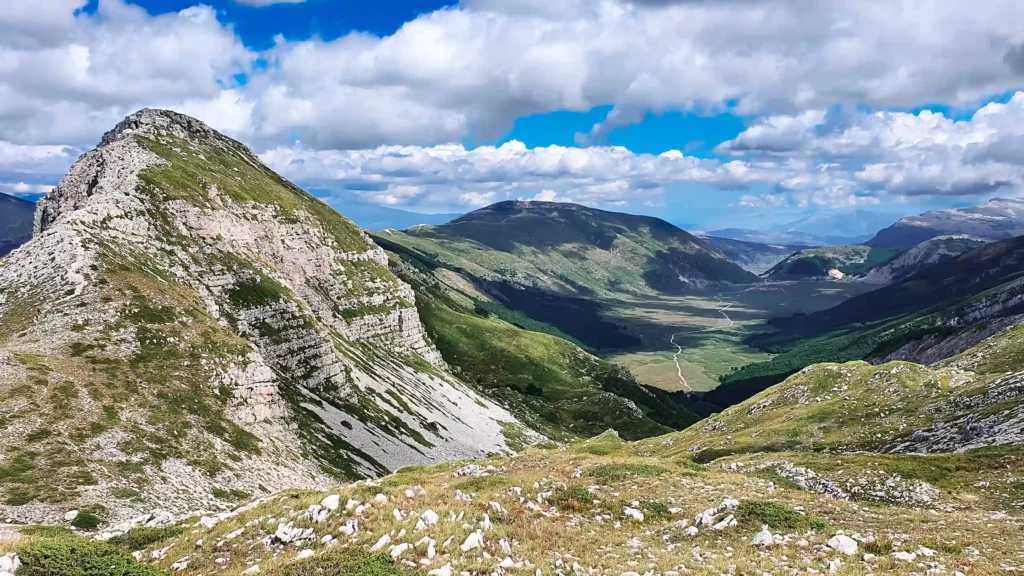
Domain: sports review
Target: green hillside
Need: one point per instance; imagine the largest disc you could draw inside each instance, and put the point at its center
(820, 262)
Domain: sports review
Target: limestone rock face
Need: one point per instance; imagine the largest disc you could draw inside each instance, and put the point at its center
(187, 327)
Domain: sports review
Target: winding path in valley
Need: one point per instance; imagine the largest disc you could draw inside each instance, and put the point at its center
(679, 349)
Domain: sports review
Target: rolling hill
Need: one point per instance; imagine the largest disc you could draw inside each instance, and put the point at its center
(835, 262)
(844, 468)
(573, 249)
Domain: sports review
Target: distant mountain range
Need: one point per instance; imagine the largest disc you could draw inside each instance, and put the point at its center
(15, 222)
(997, 219)
(798, 239)
(840, 229)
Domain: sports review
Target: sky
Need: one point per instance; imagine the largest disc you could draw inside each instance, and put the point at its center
(712, 113)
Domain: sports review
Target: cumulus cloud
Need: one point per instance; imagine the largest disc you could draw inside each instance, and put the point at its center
(899, 153)
(475, 68)
(453, 174)
(377, 113)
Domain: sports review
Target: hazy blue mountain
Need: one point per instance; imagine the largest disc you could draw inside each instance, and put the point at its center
(15, 222)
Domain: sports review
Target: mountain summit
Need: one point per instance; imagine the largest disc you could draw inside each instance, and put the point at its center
(187, 327)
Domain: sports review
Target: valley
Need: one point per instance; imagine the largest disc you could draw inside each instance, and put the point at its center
(689, 342)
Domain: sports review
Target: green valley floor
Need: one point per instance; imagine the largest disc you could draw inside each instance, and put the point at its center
(690, 342)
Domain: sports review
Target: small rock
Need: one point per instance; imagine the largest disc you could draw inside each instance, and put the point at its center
(843, 544)
(763, 538)
(445, 570)
(427, 519)
(384, 541)
(332, 502)
(473, 541)
(307, 553)
(71, 515)
(904, 556)
(251, 570)
(633, 514)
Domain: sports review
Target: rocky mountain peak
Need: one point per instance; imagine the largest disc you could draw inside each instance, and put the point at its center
(212, 327)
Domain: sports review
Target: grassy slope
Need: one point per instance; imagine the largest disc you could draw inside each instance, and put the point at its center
(546, 380)
(580, 518)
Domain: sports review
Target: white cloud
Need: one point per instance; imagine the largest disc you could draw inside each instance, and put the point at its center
(452, 174)
(796, 66)
(477, 199)
(899, 153)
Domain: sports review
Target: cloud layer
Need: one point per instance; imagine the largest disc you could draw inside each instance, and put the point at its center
(377, 113)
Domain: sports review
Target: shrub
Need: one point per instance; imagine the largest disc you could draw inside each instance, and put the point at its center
(75, 556)
(778, 516)
(87, 521)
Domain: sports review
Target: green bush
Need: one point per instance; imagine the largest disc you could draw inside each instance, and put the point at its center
(139, 538)
(753, 513)
(75, 556)
(87, 521)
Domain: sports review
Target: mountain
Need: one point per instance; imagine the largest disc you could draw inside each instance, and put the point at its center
(370, 216)
(844, 468)
(925, 254)
(850, 224)
(15, 222)
(997, 219)
(753, 257)
(186, 328)
(573, 249)
(835, 262)
(800, 239)
(932, 315)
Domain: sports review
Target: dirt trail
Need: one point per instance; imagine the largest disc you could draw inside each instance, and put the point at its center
(679, 349)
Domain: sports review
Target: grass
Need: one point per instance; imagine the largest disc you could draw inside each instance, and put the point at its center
(572, 498)
(616, 472)
(141, 537)
(344, 561)
(549, 383)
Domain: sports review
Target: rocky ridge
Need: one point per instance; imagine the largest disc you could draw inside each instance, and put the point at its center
(186, 328)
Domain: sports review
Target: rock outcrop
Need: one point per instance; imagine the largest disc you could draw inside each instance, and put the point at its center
(186, 327)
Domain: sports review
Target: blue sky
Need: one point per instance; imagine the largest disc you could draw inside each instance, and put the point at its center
(710, 114)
